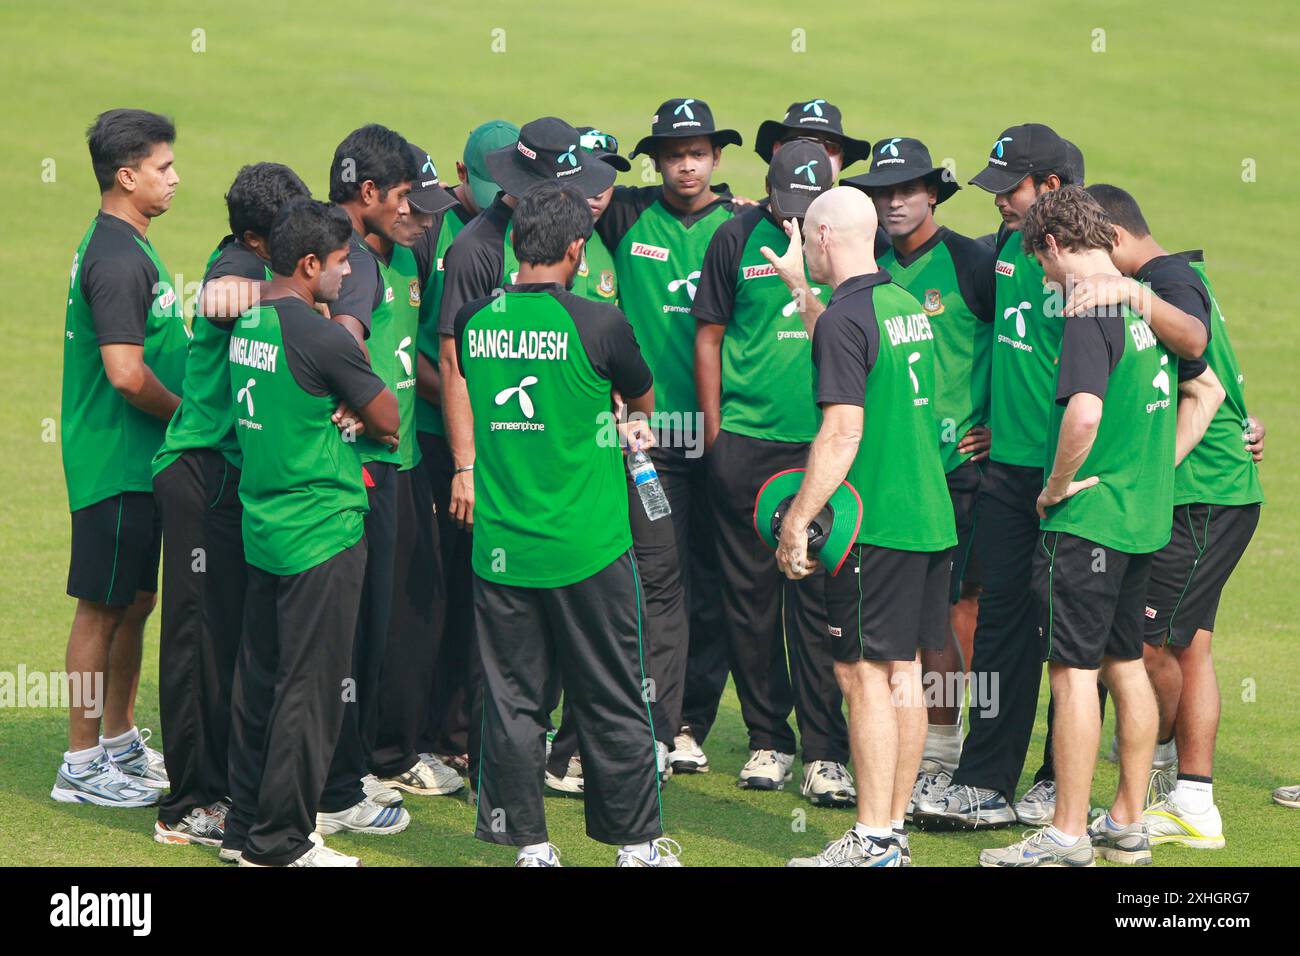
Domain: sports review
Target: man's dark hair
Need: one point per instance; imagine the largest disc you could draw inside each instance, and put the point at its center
(306, 227)
(1122, 209)
(374, 153)
(549, 217)
(123, 137)
(257, 194)
(1072, 217)
(1041, 177)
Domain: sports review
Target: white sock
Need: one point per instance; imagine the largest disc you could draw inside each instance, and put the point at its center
(644, 851)
(79, 761)
(1166, 755)
(1193, 795)
(115, 745)
(875, 833)
(1063, 838)
(896, 825)
(943, 745)
(536, 849)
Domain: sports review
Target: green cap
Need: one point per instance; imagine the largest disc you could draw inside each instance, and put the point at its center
(830, 534)
(493, 134)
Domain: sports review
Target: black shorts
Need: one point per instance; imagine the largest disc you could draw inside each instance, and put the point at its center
(115, 548)
(1091, 598)
(885, 605)
(963, 485)
(1188, 574)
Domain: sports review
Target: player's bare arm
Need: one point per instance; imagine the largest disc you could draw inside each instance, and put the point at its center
(1078, 432)
(135, 381)
(1198, 399)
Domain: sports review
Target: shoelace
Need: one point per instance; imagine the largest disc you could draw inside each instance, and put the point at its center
(762, 758)
(971, 795)
(554, 854)
(833, 771)
(1044, 791)
(667, 846)
(841, 848)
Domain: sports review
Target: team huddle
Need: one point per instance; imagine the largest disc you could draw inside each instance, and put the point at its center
(430, 461)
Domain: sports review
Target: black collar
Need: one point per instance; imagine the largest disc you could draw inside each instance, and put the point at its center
(905, 261)
(532, 287)
(862, 283)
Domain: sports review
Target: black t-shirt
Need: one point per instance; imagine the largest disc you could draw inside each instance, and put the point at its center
(363, 288)
(628, 202)
(604, 331)
(425, 249)
(1171, 278)
(236, 259)
(475, 262)
(119, 281)
(846, 341)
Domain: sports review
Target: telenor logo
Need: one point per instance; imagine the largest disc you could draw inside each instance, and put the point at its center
(807, 170)
(568, 157)
(916, 383)
(1016, 310)
(407, 365)
(245, 395)
(689, 282)
(1161, 381)
(998, 148)
(684, 109)
(525, 403)
(815, 106)
(791, 307)
(890, 148)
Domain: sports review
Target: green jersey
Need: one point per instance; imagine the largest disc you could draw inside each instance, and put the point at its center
(596, 278)
(428, 417)
(205, 418)
(550, 494)
(658, 256)
(767, 375)
(402, 276)
(302, 489)
(874, 347)
(119, 293)
(1119, 359)
(952, 277)
(1026, 344)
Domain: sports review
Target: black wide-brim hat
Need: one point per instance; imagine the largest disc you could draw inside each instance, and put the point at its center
(900, 159)
(808, 117)
(548, 150)
(685, 118)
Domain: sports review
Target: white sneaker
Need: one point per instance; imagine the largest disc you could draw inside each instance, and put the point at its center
(364, 817)
(1167, 822)
(104, 784)
(1161, 784)
(828, 784)
(550, 858)
(853, 849)
(1037, 807)
(663, 852)
(571, 784)
(377, 792)
(931, 778)
(766, 770)
(318, 855)
(203, 825)
(142, 763)
(686, 756)
(428, 779)
(661, 760)
(1287, 797)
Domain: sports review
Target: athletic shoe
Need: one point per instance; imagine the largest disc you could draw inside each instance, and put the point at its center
(1037, 807)
(686, 756)
(376, 792)
(1287, 796)
(203, 825)
(457, 762)
(663, 852)
(571, 784)
(1161, 785)
(104, 784)
(904, 850)
(1039, 849)
(853, 849)
(235, 854)
(828, 784)
(1129, 844)
(142, 763)
(364, 817)
(440, 765)
(931, 780)
(1167, 822)
(661, 761)
(964, 808)
(318, 855)
(766, 770)
(536, 859)
(426, 779)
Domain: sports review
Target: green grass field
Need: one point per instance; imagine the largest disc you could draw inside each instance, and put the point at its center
(1181, 101)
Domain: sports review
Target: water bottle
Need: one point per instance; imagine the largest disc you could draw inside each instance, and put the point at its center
(648, 485)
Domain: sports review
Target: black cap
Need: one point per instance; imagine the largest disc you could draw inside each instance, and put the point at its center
(548, 152)
(809, 117)
(427, 193)
(1019, 151)
(901, 159)
(681, 119)
(799, 173)
(1074, 162)
(604, 146)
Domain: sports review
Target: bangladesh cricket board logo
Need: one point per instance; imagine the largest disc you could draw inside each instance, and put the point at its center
(413, 293)
(606, 287)
(933, 303)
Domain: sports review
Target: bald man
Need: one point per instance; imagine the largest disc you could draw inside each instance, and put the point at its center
(873, 350)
